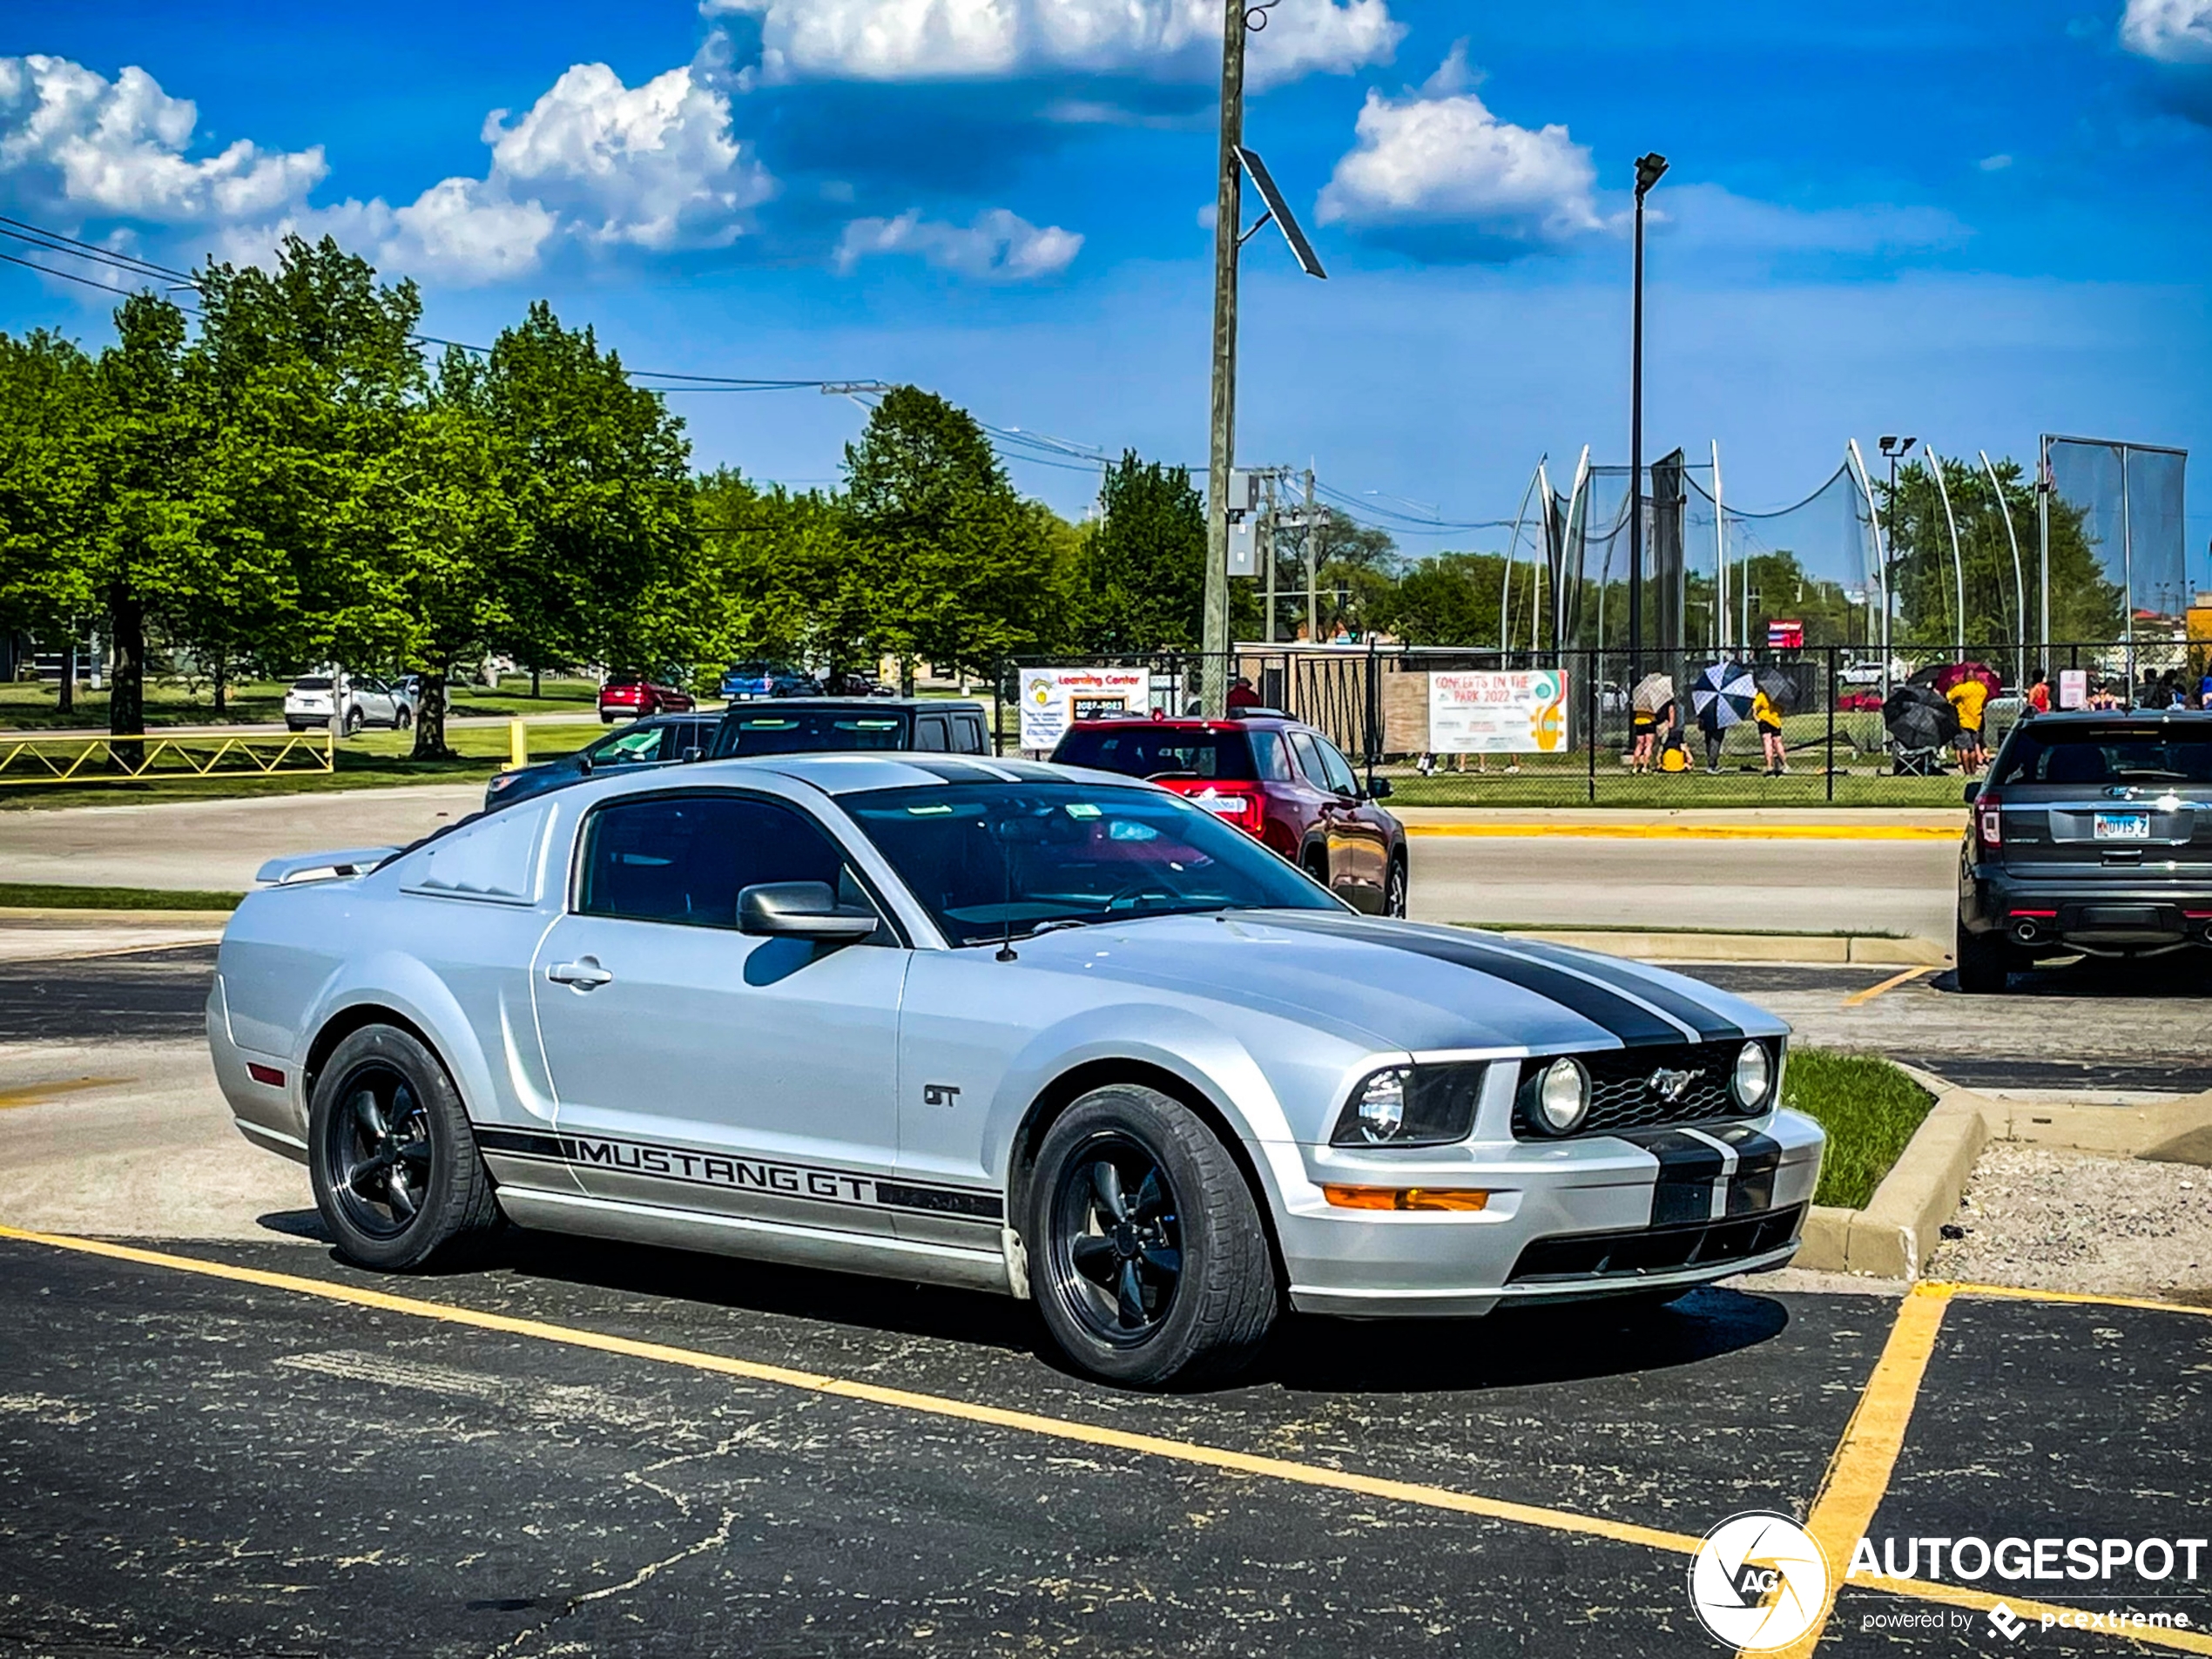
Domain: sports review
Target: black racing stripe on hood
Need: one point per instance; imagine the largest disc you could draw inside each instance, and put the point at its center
(1625, 1020)
(1708, 1026)
(955, 771)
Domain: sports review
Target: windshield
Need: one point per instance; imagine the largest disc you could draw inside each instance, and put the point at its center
(807, 732)
(2091, 755)
(982, 857)
(1150, 751)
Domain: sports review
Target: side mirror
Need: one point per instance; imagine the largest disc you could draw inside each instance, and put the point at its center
(583, 765)
(1973, 791)
(801, 910)
(1378, 790)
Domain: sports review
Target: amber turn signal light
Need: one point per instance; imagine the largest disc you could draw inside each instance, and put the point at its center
(1406, 1198)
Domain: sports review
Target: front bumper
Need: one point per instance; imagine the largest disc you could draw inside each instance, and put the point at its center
(2054, 915)
(1566, 1221)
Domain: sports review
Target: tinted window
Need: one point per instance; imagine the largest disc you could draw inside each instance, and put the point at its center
(930, 734)
(805, 732)
(982, 858)
(311, 683)
(2087, 756)
(1308, 758)
(1147, 751)
(685, 857)
(628, 747)
(1270, 755)
(967, 735)
(1336, 768)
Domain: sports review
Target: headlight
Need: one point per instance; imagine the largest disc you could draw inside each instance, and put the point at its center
(1412, 1106)
(1753, 1079)
(1562, 1096)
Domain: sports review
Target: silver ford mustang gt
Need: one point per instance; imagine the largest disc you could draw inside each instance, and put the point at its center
(994, 1024)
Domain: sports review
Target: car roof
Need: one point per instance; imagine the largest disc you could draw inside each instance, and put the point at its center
(849, 771)
(865, 705)
(2126, 717)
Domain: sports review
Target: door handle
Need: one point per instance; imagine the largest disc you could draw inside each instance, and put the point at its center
(584, 973)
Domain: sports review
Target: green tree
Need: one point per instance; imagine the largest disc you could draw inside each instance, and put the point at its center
(48, 487)
(1143, 567)
(773, 576)
(1448, 599)
(963, 569)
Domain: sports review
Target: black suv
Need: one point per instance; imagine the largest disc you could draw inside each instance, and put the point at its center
(2091, 832)
(808, 724)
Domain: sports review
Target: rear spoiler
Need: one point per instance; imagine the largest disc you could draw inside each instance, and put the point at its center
(323, 866)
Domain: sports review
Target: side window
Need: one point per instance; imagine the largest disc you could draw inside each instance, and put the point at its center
(1271, 756)
(1308, 758)
(967, 735)
(929, 734)
(684, 859)
(627, 749)
(1337, 769)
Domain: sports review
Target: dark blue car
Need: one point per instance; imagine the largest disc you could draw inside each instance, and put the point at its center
(749, 682)
(655, 742)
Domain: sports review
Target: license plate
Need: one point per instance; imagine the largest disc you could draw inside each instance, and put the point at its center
(2122, 827)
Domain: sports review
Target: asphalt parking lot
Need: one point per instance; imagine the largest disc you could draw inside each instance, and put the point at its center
(587, 1449)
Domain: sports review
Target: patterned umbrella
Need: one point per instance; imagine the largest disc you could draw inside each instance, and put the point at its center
(1781, 687)
(1720, 697)
(1653, 693)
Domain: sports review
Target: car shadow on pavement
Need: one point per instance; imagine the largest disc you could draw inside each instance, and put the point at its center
(1516, 1348)
(2181, 975)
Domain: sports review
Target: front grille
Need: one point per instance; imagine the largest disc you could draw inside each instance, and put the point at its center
(1634, 1253)
(1622, 1096)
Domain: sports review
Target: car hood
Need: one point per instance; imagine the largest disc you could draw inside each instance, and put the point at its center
(1404, 985)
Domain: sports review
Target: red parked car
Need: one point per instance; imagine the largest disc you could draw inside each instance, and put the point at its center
(1275, 777)
(635, 696)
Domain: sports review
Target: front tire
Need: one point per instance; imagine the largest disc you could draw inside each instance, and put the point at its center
(1985, 963)
(354, 723)
(401, 719)
(1148, 1261)
(397, 1174)
(1394, 887)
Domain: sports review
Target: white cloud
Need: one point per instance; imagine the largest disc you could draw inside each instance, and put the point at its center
(904, 40)
(1709, 218)
(1994, 164)
(80, 144)
(1000, 247)
(2172, 31)
(1438, 159)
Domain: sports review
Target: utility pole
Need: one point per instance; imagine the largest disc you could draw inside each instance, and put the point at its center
(1263, 543)
(1213, 671)
(1313, 565)
(1650, 169)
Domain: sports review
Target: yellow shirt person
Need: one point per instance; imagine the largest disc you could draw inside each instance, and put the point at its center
(1968, 696)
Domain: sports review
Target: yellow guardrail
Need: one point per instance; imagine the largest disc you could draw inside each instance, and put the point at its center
(110, 760)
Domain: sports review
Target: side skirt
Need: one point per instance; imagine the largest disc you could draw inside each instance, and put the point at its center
(767, 1241)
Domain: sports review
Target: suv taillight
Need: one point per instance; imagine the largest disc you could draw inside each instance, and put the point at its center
(1241, 807)
(1989, 828)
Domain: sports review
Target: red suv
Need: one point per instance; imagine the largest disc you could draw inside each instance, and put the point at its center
(1273, 777)
(639, 697)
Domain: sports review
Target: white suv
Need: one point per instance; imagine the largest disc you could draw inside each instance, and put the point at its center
(364, 700)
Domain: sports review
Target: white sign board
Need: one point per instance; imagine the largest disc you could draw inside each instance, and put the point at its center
(1514, 713)
(2074, 688)
(1054, 698)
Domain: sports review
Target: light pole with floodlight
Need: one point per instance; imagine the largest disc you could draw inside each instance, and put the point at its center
(1650, 169)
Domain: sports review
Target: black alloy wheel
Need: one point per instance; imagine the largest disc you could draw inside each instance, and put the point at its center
(1116, 1240)
(1147, 1255)
(378, 1156)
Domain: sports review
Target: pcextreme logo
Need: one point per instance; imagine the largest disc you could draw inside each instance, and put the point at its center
(1758, 1582)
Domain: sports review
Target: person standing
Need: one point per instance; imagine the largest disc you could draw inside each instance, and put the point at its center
(1644, 723)
(1969, 697)
(1768, 719)
(2039, 695)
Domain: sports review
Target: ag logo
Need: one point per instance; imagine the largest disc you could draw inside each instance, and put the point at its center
(1758, 1582)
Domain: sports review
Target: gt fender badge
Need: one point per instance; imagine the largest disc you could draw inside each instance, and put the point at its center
(939, 1094)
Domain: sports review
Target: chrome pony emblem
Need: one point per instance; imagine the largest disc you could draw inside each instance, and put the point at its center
(1670, 1086)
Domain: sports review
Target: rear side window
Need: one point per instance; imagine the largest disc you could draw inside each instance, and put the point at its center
(1150, 750)
(2087, 756)
(684, 859)
(930, 733)
(1271, 756)
(967, 735)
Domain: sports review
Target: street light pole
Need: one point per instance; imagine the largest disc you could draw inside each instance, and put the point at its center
(1650, 169)
(1213, 668)
(1895, 448)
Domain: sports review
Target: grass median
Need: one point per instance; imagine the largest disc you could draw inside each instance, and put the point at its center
(1869, 1110)
(50, 895)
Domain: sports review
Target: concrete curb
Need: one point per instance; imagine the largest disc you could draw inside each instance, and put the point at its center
(1892, 1235)
(1821, 950)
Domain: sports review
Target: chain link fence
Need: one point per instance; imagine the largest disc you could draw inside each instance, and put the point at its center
(1561, 729)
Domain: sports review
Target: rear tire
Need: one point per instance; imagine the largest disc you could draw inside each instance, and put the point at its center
(1985, 963)
(401, 719)
(354, 723)
(1148, 1258)
(1316, 864)
(397, 1176)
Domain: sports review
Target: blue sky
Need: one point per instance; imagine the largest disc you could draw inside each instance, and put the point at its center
(1972, 222)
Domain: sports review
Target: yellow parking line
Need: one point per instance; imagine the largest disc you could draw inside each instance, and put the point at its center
(2017, 1293)
(1859, 998)
(902, 1399)
(1858, 1472)
(1536, 829)
(39, 1094)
